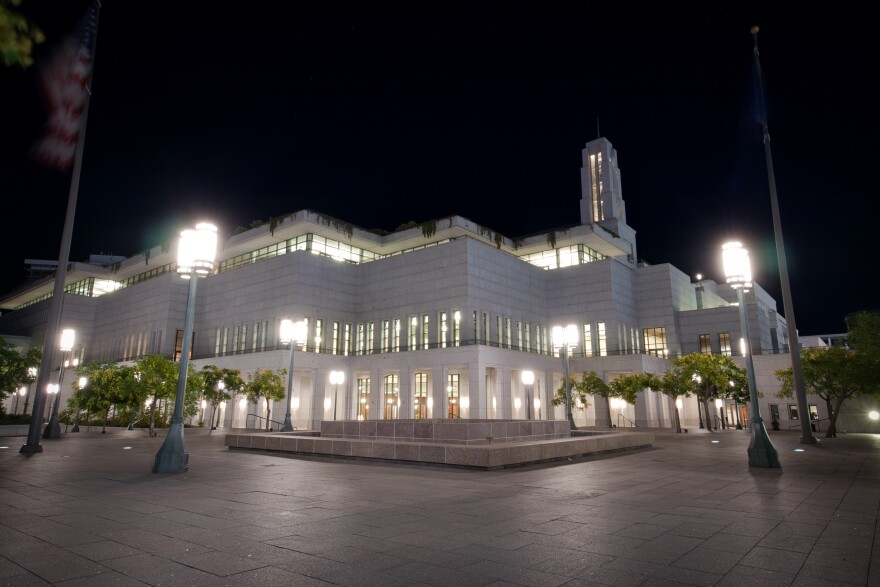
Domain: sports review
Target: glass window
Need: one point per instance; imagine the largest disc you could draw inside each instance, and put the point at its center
(655, 341)
(363, 387)
(395, 336)
(724, 343)
(456, 328)
(426, 324)
(792, 412)
(508, 335)
(528, 335)
(588, 341)
(413, 333)
(705, 344)
(453, 393)
(386, 334)
(444, 327)
(360, 337)
(484, 335)
(371, 328)
(774, 412)
(346, 340)
(603, 347)
(421, 396)
(391, 397)
(319, 334)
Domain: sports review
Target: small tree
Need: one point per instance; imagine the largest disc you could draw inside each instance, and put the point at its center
(832, 373)
(706, 376)
(590, 384)
(268, 384)
(157, 379)
(217, 386)
(14, 368)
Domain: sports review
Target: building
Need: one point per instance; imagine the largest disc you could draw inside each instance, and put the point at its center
(438, 320)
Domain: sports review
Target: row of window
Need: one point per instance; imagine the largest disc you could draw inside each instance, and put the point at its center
(239, 342)
(723, 344)
(391, 396)
(553, 258)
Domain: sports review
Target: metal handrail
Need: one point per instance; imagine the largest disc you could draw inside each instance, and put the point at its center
(625, 419)
(262, 419)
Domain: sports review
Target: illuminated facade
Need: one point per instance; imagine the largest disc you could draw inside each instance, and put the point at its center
(435, 321)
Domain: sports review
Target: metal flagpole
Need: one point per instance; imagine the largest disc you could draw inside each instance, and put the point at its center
(52, 337)
(794, 349)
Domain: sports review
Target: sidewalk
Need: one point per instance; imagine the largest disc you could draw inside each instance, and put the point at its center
(88, 511)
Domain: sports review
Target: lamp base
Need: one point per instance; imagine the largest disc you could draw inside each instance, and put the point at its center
(761, 451)
(288, 424)
(172, 457)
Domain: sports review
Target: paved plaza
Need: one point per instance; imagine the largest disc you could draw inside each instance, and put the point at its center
(88, 511)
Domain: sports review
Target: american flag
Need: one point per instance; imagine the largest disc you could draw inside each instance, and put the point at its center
(63, 84)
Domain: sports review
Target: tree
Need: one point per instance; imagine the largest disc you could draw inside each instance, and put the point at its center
(268, 384)
(708, 377)
(835, 375)
(590, 384)
(103, 391)
(157, 380)
(15, 368)
(218, 385)
(18, 35)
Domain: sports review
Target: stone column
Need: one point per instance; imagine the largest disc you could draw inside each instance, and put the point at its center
(406, 393)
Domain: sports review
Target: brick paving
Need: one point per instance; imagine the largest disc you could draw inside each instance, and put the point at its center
(88, 511)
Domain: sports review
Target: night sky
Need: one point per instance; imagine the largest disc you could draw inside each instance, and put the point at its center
(381, 117)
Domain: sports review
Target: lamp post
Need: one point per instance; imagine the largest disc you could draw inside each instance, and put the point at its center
(698, 381)
(337, 378)
(738, 271)
(32, 373)
(196, 251)
(564, 339)
(53, 429)
(292, 333)
(679, 407)
(719, 405)
(528, 378)
(81, 384)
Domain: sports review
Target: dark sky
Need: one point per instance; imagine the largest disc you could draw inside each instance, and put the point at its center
(380, 116)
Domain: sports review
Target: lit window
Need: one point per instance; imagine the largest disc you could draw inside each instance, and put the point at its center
(705, 344)
(655, 341)
(724, 343)
(421, 396)
(603, 346)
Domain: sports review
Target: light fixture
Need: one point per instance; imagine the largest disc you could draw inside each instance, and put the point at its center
(738, 272)
(874, 415)
(196, 251)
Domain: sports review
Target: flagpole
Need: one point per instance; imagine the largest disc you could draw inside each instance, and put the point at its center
(794, 347)
(52, 336)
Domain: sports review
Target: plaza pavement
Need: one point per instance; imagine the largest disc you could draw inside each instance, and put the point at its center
(88, 511)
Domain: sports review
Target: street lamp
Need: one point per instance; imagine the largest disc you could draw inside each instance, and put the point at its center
(679, 408)
(564, 339)
(719, 403)
(196, 252)
(53, 429)
(81, 384)
(698, 381)
(337, 378)
(292, 333)
(738, 271)
(528, 378)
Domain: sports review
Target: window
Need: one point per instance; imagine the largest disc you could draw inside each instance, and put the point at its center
(792, 412)
(346, 340)
(319, 327)
(774, 412)
(235, 331)
(499, 331)
(421, 396)
(453, 392)
(218, 337)
(426, 323)
(588, 341)
(603, 348)
(485, 332)
(413, 333)
(178, 346)
(456, 328)
(655, 341)
(395, 336)
(386, 334)
(363, 387)
(361, 337)
(528, 332)
(705, 344)
(225, 344)
(391, 397)
(256, 338)
(476, 326)
(724, 343)
(519, 335)
(539, 335)
(263, 335)
(334, 348)
(370, 336)
(443, 329)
